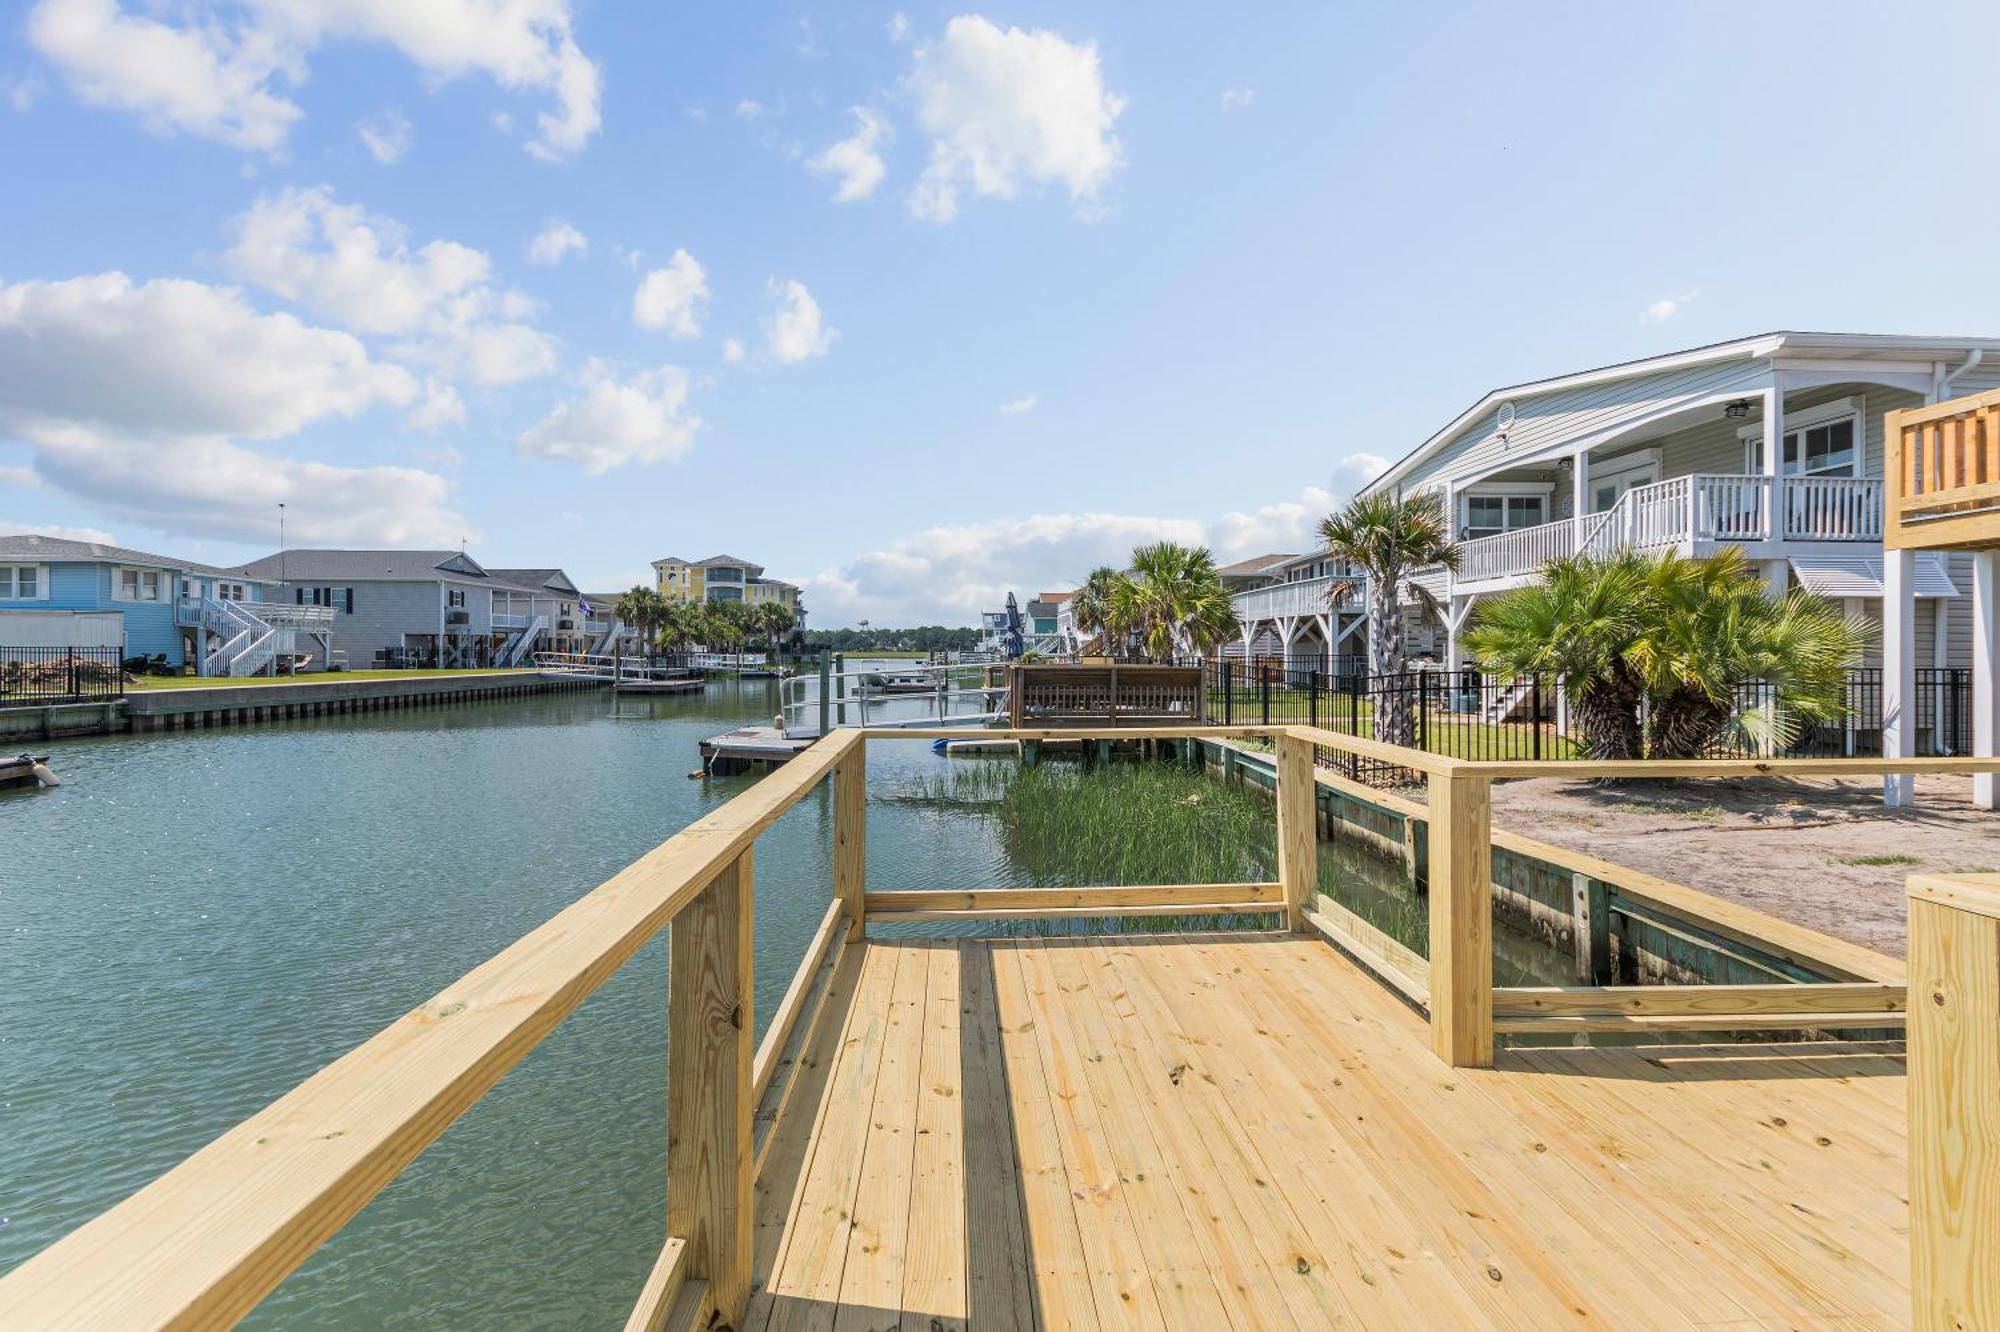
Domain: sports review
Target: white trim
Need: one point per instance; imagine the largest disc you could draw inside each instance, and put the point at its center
(1624, 462)
(1806, 418)
(1809, 416)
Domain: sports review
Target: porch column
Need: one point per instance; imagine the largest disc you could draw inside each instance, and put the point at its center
(1774, 449)
(1579, 489)
(1985, 673)
(1899, 669)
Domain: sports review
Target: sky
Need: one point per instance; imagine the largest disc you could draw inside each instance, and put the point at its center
(914, 306)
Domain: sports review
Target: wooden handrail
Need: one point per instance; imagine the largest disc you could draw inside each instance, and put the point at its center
(205, 1242)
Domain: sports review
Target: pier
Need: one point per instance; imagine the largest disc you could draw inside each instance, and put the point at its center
(1254, 1120)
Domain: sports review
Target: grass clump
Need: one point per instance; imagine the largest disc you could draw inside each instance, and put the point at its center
(1892, 858)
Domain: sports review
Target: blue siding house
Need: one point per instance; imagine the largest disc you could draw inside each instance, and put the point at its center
(161, 597)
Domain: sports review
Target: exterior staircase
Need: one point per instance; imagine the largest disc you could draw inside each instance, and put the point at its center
(248, 645)
(516, 649)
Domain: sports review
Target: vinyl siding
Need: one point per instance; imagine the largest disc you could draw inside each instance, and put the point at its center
(1549, 419)
(385, 611)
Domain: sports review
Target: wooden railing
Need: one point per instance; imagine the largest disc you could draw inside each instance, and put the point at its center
(206, 1242)
(1943, 467)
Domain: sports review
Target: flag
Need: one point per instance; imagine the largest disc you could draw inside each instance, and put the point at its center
(583, 604)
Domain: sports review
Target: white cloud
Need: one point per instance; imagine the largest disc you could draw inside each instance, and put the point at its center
(359, 270)
(19, 476)
(441, 407)
(1003, 107)
(732, 350)
(899, 27)
(1660, 311)
(1235, 99)
(794, 331)
(556, 242)
(214, 74)
(387, 136)
(176, 357)
(1364, 467)
(643, 419)
(133, 397)
(672, 298)
(856, 159)
(751, 109)
(949, 574)
(12, 527)
(22, 92)
(1020, 406)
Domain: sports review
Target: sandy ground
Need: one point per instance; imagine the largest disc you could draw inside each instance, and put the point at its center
(1797, 848)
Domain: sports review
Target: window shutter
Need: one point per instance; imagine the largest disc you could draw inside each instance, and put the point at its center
(350, 601)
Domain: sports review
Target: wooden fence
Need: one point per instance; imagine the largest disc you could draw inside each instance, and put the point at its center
(206, 1242)
(1943, 468)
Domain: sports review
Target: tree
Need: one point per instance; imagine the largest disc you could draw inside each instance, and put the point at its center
(680, 623)
(1389, 537)
(1653, 648)
(641, 608)
(775, 619)
(1091, 609)
(1173, 599)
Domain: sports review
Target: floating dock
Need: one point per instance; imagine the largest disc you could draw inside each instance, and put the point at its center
(749, 747)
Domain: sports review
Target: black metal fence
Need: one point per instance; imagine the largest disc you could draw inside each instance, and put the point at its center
(33, 676)
(1470, 714)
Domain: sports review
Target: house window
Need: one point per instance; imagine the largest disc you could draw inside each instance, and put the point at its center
(140, 584)
(231, 592)
(455, 599)
(1490, 515)
(1822, 450)
(21, 582)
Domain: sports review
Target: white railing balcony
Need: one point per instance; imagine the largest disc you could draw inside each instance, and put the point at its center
(1285, 600)
(1523, 551)
(1732, 508)
(1832, 508)
(280, 616)
(502, 620)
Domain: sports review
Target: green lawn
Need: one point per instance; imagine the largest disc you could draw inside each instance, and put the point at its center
(146, 682)
(1455, 734)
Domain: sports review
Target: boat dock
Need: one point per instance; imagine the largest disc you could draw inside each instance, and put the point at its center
(1270, 1115)
(749, 747)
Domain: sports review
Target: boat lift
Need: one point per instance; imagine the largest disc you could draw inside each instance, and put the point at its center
(853, 698)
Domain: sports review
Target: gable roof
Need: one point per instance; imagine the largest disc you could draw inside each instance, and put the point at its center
(1861, 346)
(535, 580)
(370, 565)
(34, 546)
(727, 561)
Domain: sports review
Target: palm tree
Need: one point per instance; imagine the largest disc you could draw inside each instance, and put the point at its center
(1652, 648)
(1091, 609)
(775, 619)
(1173, 599)
(641, 608)
(1389, 537)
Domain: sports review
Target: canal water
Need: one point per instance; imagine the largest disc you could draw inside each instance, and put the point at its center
(196, 921)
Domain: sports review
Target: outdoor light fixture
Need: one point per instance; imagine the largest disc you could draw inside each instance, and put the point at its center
(1737, 410)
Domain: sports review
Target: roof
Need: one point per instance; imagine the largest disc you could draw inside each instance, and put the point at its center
(1857, 346)
(362, 565)
(1861, 575)
(727, 561)
(34, 546)
(1042, 609)
(535, 580)
(670, 559)
(1256, 564)
(1057, 598)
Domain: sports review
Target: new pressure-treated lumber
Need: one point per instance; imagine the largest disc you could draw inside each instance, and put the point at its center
(787, 1014)
(1298, 827)
(890, 916)
(1697, 1000)
(850, 835)
(662, 1288)
(1461, 921)
(1403, 968)
(1954, 1105)
(709, 1099)
(1055, 901)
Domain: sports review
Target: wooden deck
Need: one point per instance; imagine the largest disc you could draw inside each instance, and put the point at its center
(1246, 1131)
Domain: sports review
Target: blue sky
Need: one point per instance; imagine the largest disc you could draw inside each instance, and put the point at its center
(1103, 272)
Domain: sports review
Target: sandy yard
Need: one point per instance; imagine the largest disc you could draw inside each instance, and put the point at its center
(1820, 851)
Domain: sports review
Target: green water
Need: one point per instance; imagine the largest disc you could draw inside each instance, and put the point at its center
(195, 922)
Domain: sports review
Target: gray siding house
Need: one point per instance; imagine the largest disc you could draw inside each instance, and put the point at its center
(414, 607)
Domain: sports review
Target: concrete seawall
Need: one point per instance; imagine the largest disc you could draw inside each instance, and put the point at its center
(245, 704)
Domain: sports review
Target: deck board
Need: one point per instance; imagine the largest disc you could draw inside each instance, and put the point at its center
(1247, 1132)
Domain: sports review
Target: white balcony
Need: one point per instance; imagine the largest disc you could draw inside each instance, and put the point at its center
(1289, 600)
(1524, 550)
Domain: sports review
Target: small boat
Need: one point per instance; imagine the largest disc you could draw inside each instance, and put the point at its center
(970, 747)
(26, 770)
(899, 682)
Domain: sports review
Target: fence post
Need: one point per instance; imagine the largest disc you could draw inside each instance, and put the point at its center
(1312, 698)
(1228, 695)
(1298, 832)
(1536, 716)
(1423, 709)
(1954, 1091)
(825, 690)
(1264, 683)
(1461, 923)
(709, 1106)
(74, 691)
(850, 837)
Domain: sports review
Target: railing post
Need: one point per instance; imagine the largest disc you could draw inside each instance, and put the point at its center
(1954, 1091)
(1264, 684)
(1461, 921)
(1228, 696)
(850, 837)
(1298, 833)
(709, 1106)
(825, 690)
(1312, 699)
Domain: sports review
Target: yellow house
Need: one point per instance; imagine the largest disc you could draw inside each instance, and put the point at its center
(720, 578)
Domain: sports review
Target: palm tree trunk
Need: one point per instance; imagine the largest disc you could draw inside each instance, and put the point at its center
(1393, 721)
